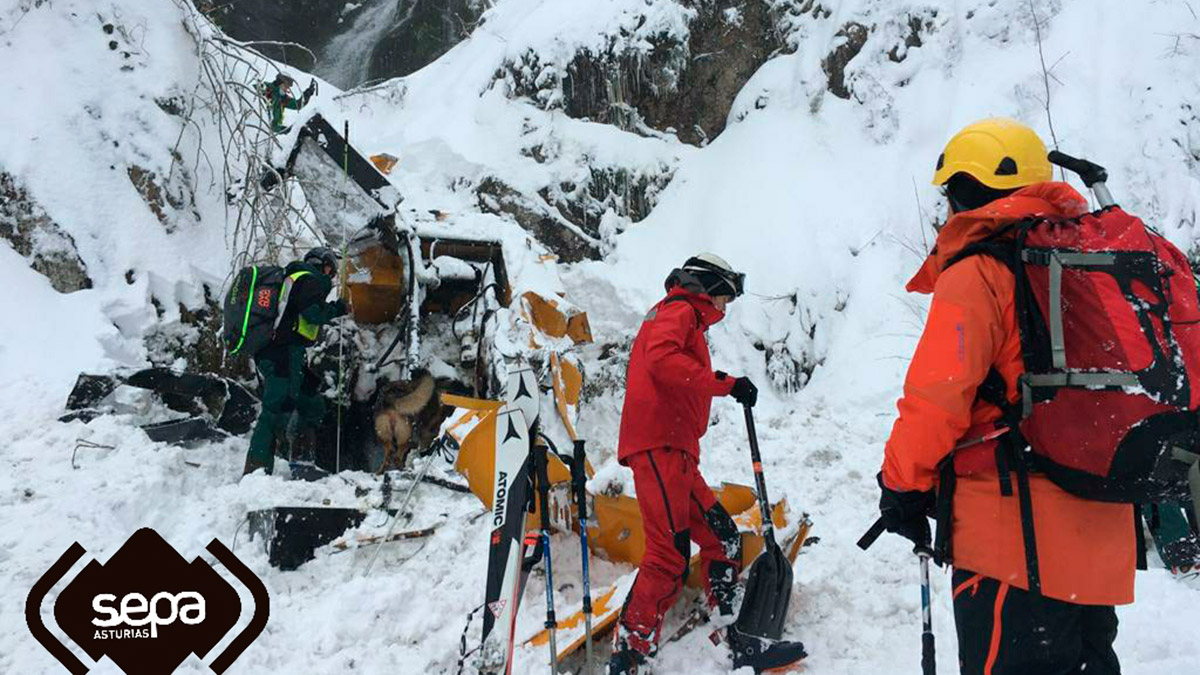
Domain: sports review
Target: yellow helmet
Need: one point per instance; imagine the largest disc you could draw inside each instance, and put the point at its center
(1001, 153)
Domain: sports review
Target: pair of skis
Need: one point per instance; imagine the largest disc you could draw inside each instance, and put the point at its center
(518, 452)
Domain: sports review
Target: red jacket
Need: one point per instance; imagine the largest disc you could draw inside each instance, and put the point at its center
(670, 384)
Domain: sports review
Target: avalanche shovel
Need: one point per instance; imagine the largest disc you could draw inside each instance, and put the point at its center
(769, 584)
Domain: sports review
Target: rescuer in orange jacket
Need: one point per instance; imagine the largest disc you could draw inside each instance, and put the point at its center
(670, 385)
(996, 173)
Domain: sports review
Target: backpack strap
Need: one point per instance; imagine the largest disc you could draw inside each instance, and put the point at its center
(943, 550)
(1139, 533)
(1009, 455)
(1010, 459)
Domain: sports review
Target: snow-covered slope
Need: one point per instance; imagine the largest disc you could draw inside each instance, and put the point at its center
(818, 188)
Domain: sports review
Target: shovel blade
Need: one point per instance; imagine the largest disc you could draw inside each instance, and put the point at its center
(768, 593)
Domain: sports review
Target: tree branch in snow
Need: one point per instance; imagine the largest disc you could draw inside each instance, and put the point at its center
(268, 43)
(1037, 30)
(920, 216)
(226, 102)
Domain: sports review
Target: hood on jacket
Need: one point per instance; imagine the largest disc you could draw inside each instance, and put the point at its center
(1041, 200)
(701, 302)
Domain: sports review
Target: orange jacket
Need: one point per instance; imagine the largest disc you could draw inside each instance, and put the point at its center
(1086, 549)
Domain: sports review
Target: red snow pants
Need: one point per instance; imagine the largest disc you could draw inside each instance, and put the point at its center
(677, 508)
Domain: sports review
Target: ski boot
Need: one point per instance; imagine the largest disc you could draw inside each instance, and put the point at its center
(627, 661)
(762, 654)
(626, 658)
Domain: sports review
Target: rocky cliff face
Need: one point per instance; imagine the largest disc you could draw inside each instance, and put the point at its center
(353, 42)
(310, 23)
(421, 32)
(649, 78)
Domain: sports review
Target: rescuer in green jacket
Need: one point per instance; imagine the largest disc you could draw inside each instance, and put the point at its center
(278, 96)
(288, 385)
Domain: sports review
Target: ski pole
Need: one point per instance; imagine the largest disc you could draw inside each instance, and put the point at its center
(434, 454)
(540, 461)
(337, 465)
(579, 478)
(928, 664)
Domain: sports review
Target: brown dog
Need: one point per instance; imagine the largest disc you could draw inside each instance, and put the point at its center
(406, 416)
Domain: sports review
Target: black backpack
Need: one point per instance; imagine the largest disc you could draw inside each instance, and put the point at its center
(251, 308)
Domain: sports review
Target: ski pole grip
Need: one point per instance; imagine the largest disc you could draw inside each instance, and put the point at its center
(579, 478)
(868, 539)
(1090, 172)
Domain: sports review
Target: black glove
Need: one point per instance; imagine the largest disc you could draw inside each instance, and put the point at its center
(339, 307)
(906, 513)
(312, 89)
(744, 392)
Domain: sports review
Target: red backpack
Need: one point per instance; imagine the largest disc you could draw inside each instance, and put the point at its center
(1109, 319)
(1110, 333)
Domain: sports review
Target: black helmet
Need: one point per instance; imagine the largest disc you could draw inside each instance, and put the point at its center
(320, 257)
(710, 274)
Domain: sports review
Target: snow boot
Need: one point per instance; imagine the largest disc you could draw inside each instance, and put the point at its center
(762, 654)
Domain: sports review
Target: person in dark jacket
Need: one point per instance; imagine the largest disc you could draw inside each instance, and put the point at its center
(288, 385)
(670, 385)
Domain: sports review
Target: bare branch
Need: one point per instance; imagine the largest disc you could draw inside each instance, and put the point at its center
(920, 215)
(1037, 28)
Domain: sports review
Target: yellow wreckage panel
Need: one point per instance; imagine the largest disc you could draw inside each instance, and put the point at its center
(617, 534)
(558, 318)
(568, 387)
(375, 285)
(477, 452)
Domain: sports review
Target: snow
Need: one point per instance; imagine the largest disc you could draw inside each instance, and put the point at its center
(823, 201)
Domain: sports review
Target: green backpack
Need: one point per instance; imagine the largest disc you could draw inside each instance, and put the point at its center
(252, 308)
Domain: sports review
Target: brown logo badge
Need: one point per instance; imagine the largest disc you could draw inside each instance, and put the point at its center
(147, 608)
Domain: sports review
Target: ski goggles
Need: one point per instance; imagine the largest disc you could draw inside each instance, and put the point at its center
(716, 281)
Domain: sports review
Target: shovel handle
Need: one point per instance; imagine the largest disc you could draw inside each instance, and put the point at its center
(764, 503)
(1093, 175)
(1090, 172)
(869, 537)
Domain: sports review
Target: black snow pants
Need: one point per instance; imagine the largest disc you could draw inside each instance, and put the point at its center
(1003, 630)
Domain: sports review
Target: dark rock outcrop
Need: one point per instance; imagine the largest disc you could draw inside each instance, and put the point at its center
(685, 88)
(37, 238)
(196, 338)
(429, 30)
(854, 36)
(537, 218)
(307, 22)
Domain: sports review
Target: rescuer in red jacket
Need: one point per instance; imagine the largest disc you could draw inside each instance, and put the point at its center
(670, 385)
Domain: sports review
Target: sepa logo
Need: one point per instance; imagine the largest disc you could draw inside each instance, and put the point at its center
(137, 612)
(147, 608)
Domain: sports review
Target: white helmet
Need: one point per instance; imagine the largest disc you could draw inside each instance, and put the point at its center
(708, 273)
